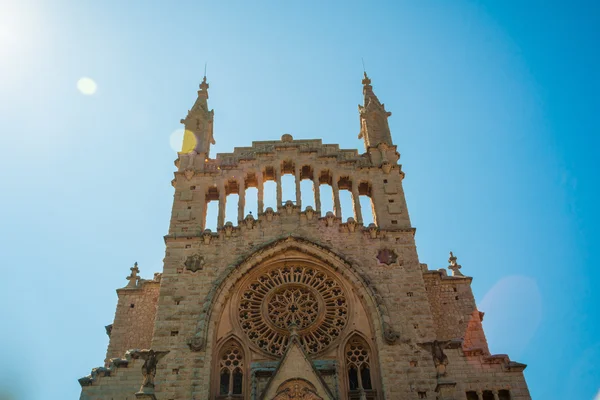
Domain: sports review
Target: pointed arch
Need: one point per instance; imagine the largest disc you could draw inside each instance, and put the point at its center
(360, 366)
(230, 371)
(222, 289)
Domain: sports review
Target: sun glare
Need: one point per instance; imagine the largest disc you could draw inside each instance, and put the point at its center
(87, 86)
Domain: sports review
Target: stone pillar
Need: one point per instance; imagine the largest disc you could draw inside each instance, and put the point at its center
(261, 202)
(337, 208)
(356, 202)
(242, 200)
(479, 395)
(495, 393)
(317, 190)
(278, 181)
(202, 208)
(298, 194)
(222, 201)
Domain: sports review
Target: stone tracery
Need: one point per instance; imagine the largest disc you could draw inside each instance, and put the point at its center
(305, 299)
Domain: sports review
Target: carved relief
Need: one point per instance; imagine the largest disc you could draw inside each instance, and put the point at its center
(189, 174)
(309, 212)
(351, 225)
(151, 359)
(296, 389)
(372, 229)
(387, 256)
(228, 229)
(289, 207)
(329, 218)
(194, 263)
(250, 221)
(269, 214)
(207, 236)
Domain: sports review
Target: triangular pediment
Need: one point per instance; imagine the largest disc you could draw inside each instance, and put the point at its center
(296, 378)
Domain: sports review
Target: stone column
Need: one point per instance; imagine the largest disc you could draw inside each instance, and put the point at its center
(202, 208)
(242, 200)
(261, 202)
(298, 194)
(222, 201)
(337, 208)
(317, 190)
(495, 393)
(356, 202)
(278, 181)
(479, 395)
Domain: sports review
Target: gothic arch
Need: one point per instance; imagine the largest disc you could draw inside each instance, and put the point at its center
(230, 372)
(217, 297)
(357, 353)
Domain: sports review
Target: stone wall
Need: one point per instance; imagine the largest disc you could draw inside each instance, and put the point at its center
(133, 325)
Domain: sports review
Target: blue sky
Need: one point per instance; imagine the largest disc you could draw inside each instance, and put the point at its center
(495, 112)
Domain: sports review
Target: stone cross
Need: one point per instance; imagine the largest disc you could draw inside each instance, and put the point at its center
(133, 278)
(454, 266)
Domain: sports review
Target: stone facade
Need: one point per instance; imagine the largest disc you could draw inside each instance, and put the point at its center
(294, 302)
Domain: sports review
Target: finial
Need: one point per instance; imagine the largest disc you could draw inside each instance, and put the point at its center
(366, 81)
(204, 85)
(133, 278)
(454, 266)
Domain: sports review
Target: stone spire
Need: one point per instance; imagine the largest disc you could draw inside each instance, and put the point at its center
(199, 125)
(374, 128)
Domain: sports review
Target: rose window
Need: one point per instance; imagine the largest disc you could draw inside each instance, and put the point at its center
(304, 299)
(293, 305)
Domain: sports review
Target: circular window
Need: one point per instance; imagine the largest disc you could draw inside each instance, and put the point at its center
(305, 299)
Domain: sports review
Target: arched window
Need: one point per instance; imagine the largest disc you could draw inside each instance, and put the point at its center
(358, 368)
(231, 371)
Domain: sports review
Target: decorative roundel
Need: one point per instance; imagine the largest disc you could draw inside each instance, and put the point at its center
(301, 298)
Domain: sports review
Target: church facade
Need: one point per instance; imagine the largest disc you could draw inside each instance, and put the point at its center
(294, 302)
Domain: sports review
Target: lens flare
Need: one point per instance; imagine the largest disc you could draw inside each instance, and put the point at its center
(176, 140)
(182, 141)
(513, 304)
(87, 86)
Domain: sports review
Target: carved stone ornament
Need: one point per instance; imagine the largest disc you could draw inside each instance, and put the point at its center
(133, 278)
(372, 229)
(207, 236)
(269, 214)
(439, 358)
(151, 359)
(196, 343)
(386, 166)
(189, 174)
(228, 229)
(454, 267)
(309, 212)
(296, 389)
(351, 224)
(289, 207)
(387, 256)
(310, 300)
(194, 263)
(250, 221)
(390, 335)
(329, 218)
